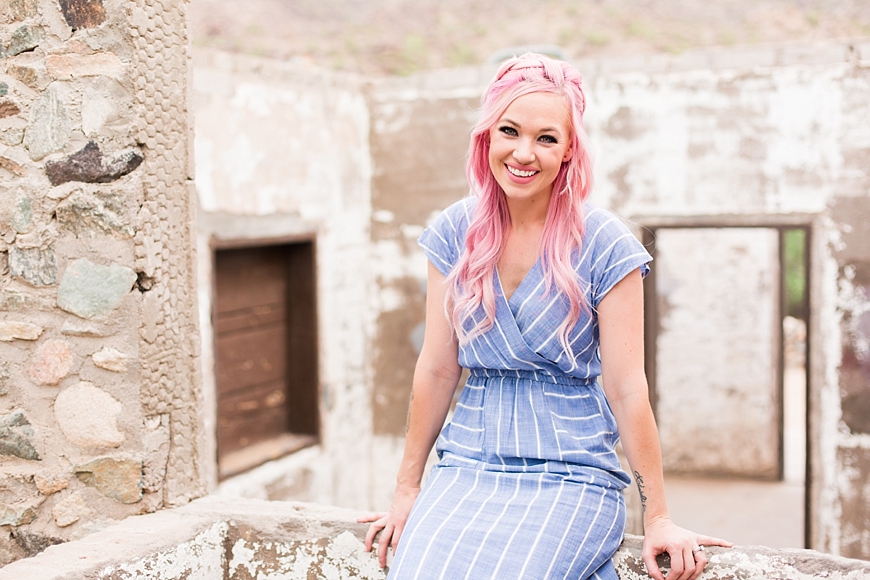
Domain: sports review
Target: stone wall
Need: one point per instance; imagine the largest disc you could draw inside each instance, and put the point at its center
(219, 539)
(99, 346)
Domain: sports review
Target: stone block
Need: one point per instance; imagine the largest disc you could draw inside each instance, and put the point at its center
(21, 9)
(22, 214)
(70, 66)
(48, 128)
(89, 289)
(86, 215)
(51, 363)
(16, 435)
(25, 74)
(11, 165)
(34, 265)
(4, 89)
(89, 165)
(17, 514)
(23, 39)
(8, 109)
(48, 483)
(12, 136)
(119, 479)
(12, 330)
(33, 543)
(83, 13)
(70, 510)
(88, 416)
(88, 330)
(111, 359)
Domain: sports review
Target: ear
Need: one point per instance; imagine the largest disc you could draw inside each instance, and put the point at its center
(567, 155)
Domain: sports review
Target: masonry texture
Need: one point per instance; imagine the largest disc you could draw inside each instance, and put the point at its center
(99, 376)
(220, 539)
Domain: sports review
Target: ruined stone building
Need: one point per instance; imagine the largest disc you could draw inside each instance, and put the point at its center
(253, 332)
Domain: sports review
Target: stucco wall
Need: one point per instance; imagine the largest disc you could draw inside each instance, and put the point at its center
(283, 152)
(99, 384)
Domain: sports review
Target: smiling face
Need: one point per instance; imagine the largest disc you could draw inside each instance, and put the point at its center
(528, 145)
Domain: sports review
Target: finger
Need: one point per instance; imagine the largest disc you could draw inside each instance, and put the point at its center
(711, 541)
(700, 562)
(652, 567)
(383, 542)
(679, 558)
(372, 532)
(374, 516)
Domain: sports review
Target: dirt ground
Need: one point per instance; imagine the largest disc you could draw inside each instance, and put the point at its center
(382, 37)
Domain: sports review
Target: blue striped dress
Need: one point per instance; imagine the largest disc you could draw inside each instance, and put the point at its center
(528, 484)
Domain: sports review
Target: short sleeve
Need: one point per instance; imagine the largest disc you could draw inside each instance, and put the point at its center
(615, 254)
(443, 240)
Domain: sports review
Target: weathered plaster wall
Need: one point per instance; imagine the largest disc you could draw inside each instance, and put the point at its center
(98, 347)
(283, 152)
(220, 539)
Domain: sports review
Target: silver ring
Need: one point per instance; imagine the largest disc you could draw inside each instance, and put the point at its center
(698, 549)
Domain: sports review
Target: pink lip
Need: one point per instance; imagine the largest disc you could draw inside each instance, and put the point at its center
(521, 180)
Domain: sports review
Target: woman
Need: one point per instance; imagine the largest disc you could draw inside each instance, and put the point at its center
(537, 294)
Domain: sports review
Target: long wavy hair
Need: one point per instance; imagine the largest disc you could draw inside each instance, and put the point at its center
(470, 283)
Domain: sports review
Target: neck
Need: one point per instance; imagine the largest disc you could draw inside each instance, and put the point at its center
(528, 213)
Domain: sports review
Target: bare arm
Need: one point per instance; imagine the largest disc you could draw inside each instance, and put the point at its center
(435, 378)
(620, 319)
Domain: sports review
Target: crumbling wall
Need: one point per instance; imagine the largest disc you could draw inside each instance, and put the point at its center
(99, 380)
(282, 152)
(235, 539)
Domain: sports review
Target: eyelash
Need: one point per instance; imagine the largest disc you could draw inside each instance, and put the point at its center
(511, 132)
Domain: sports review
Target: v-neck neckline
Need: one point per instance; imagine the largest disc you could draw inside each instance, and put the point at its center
(523, 282)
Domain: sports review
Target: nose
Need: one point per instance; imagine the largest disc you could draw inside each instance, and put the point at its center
(524, 153)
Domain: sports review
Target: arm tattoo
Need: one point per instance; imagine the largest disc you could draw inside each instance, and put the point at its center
(638, 478)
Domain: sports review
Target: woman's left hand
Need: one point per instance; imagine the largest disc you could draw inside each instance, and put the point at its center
(685, 548)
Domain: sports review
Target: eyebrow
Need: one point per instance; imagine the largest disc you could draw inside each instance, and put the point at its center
(541, 130)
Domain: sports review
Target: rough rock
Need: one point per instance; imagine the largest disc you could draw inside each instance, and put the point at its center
(12, 330)
(111, 359)
(17, 514)
(22, 214)
(70, 510)
(83, 13)
(23, 39)
(88, 416)
(4, 89)
(70, 66)
(49, 125)
(156, 443)
(8, 109)
(21, 9)
(25, 74)
(49, 483)
(86, 215)
(34, 543)
(4, 379)
(12, 136)
(90, 165)
(51, 363)
(89, 330)
(16, 435)
(89, 289)
(34, 265)
(11, 165)
(119, 479)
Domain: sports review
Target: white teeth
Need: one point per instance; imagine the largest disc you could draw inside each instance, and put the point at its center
(519, 173)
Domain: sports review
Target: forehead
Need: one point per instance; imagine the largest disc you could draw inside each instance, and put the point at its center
(537, 110)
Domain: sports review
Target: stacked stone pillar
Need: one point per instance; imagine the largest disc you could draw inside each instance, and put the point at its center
(99, 379)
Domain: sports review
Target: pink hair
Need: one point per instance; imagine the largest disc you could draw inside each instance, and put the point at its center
(471, 281)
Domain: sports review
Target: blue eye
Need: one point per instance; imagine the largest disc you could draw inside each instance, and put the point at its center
(549, 139)
(508, 131)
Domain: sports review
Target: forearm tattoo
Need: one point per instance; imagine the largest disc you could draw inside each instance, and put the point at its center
(638, 478)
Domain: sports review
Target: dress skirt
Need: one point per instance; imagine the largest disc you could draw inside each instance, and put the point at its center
(506, 500)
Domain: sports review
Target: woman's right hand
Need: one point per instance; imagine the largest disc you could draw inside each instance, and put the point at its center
(390, 524)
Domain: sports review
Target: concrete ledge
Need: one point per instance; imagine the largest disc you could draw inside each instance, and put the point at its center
(235, 539)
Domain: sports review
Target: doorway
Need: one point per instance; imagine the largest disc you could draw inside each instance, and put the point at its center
(727, 311)
(265, 332)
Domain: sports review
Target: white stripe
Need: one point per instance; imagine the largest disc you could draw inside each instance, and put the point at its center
(600, 544)
(567, 531)
(517, 528)
(586, 537)
(465, 529)
(541, 531)
(492, 527)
